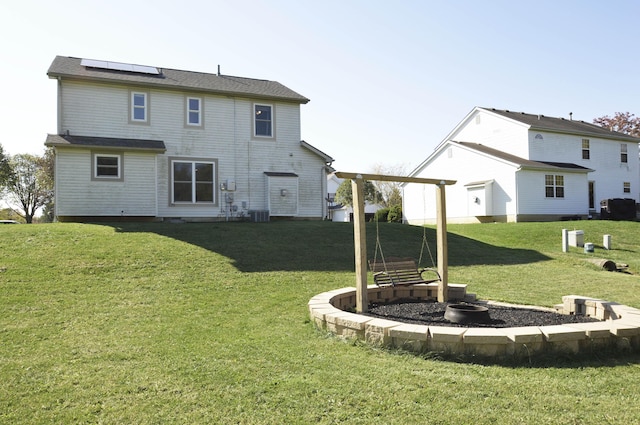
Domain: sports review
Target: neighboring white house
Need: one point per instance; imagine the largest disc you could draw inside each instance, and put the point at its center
(157, 143)
(339, 212)
(512, 166)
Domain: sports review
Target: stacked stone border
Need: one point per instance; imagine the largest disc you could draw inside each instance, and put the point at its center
(618, 326)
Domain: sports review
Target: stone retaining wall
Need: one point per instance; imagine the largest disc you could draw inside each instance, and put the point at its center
(619, 325)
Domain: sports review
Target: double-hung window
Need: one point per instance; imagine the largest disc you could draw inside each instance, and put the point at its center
(194, 112)
(263, 121)
(554, 186)
(106, 166)
(623, 153)
(139, 107)
(586, 154)
(626, 187)
(193, 182)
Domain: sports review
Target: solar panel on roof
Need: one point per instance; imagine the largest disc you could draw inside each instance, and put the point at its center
(119, 66)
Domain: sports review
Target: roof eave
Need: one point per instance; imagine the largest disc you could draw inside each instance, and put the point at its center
(57, 75)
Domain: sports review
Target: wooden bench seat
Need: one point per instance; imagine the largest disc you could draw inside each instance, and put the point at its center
(399, 271)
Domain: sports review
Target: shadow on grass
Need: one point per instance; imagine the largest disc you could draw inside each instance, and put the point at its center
(324, 246)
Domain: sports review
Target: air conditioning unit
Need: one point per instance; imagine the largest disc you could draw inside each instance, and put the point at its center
(259, 216)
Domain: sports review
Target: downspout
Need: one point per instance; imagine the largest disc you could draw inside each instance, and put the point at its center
(59, 101)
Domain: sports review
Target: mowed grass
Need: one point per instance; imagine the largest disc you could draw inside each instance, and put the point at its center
(207, 323)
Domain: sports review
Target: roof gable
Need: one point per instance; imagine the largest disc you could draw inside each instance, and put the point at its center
(70, 67)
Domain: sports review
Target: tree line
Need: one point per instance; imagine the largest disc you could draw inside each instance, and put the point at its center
(26, 185)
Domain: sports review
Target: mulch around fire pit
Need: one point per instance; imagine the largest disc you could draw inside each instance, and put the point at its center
(432, 314)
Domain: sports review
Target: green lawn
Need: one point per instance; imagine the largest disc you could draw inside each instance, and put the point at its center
(208, 323)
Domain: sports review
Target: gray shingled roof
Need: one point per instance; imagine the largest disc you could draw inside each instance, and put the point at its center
(522, 162)
(69, 67)
(56, 140)
(562, 125)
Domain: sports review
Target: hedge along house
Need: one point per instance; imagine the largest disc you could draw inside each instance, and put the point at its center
(150, 143)
(512, 166)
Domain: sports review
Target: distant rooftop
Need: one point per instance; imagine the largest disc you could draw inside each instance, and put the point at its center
(143, 75)
(562, 125)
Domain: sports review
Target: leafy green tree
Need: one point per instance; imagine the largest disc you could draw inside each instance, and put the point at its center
(29, 188)
(5, 169)
(344, 194)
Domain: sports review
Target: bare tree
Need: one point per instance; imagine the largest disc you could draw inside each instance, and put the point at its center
(622, 122)
(29, 188)
(390, 192)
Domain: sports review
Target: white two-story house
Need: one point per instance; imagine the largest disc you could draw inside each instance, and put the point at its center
(154, 143)
(512, 166)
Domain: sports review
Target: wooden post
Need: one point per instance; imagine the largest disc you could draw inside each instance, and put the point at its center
(360, 242)
(441, 223)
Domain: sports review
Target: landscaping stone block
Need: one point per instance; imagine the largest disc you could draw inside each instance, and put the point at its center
(524, 340)
(563, 338)
(446, 339)
(411, 337)
(485, 341)
(376, 331)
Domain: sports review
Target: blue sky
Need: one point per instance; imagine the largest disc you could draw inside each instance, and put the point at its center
(387, 80)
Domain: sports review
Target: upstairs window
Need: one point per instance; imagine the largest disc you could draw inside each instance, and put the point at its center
(585, 149)
(139, 107)
(623, 153)
(107, 167)
(626, 187)
(194, 111)
(193, 182)
(554, 186)
(263, 124)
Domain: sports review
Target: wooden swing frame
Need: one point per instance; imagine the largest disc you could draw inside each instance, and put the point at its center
(360, 237)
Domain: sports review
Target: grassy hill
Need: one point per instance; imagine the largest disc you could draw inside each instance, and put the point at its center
(207, 323)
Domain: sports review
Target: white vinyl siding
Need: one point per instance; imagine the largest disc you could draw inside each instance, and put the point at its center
(240, 156)
(77, 194)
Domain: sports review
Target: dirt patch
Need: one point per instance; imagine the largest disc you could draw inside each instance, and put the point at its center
(432, 314)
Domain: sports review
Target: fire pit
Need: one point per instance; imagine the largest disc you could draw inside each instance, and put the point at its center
(467, 313)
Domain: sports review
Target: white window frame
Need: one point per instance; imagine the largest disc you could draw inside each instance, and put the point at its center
(95, 167)
(134, 107)
(624, 156)
(189, 111)
(271, 121)
(193, 162)
(586, 149)
(626, 187)
(556, 184)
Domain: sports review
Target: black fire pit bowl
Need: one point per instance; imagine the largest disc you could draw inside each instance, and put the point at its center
(467, 313)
